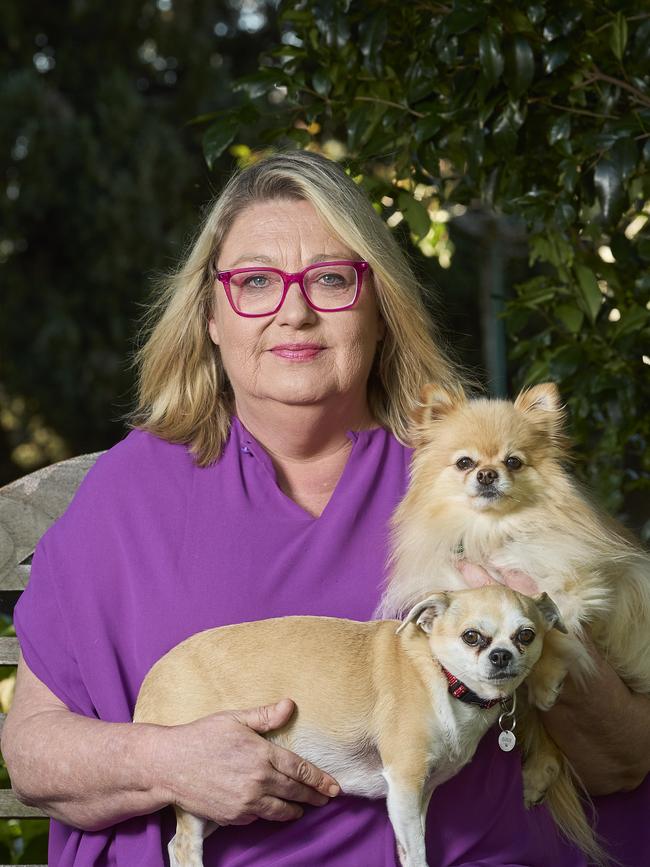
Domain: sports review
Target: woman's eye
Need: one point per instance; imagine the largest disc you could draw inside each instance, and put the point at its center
(256, 281)
(513, 463)
(332, 280)
(465, 463)
(471, 637)
(526, 636)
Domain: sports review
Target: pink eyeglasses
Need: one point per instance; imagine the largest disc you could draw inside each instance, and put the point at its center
(326, 286)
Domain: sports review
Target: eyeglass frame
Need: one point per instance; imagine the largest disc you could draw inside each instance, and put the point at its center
(360, 266)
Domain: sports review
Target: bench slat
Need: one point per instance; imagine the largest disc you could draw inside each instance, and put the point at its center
(15, 580)
(11, 808)
(9, 650)
(30, 505)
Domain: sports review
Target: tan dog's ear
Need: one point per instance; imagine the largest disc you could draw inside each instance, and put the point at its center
(550, 613)
(425, 611)
(435, 402)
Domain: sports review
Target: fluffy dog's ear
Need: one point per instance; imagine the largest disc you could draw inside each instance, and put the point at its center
(424, 612)
(550, 613)
(544, 397)
(543, 405)
(435, 402)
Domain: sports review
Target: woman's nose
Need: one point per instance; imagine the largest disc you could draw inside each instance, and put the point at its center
(295, 310)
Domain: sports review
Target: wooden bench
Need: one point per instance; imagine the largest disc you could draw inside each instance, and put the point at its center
(28, 507)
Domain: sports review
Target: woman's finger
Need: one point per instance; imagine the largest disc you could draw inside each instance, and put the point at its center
(282, 786)
(301, 771)
(277, 810)
(474, 575)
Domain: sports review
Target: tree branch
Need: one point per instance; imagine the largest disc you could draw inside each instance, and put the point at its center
(391, 104)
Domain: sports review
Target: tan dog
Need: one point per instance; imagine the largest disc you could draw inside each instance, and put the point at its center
(488, 487)
(350, 720)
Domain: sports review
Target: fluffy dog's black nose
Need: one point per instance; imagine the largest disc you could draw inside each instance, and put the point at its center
(487, 476)
(500, 657)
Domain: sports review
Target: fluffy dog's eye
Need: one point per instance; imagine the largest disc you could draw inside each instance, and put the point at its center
(526, 636)
(471, 637)
(513, 463)
(465, 463)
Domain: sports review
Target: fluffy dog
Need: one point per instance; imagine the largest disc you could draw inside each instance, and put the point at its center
(352, 719)
(488, 487)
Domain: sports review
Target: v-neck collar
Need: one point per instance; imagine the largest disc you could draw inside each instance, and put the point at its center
(250, 448)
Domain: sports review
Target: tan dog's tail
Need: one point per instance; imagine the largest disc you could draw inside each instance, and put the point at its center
(567, 800)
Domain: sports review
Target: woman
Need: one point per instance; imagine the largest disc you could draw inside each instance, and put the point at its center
(266, 461)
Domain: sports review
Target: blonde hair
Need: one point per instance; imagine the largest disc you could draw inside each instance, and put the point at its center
(183, 392)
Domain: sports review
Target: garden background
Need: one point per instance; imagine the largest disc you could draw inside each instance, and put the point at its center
(506, 144)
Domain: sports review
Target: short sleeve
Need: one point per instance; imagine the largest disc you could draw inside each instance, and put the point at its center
(44, 634)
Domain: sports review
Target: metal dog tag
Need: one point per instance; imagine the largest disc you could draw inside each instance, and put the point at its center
(507, 741)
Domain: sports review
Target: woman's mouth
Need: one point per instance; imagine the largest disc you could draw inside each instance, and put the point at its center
(297, 351)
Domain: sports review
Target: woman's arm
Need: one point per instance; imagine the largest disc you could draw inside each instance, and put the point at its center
(603, 729)
(91, 774)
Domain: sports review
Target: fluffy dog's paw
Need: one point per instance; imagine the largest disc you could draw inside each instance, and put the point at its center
(538, 778)
(543, 693)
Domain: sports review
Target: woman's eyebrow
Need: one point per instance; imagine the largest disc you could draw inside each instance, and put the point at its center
(251, 257)
(268, 260)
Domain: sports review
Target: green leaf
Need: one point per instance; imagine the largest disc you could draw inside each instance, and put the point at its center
(415, 213)
(217, 138)
(537, 372)
(296, 16)
(490, 55)
(505, 128)
(259, 83)
(608, 181)
(520, 65)
(555, 55)
(618, 36)
(463, 17)
(624, 155)
(426, 127)
(321, 82)
(632, 320)
(373, 30)
(571, 317)
(536, 13)
(589, 294)
(560, 129)
(565, 362)
(362, 121)
(301, 136)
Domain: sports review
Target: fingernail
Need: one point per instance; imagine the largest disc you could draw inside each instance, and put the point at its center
(334, 790)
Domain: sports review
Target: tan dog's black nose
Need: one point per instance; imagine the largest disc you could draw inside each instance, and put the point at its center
(500, 657)
(487, 476)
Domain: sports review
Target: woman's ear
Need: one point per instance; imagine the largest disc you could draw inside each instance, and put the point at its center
(213, 330)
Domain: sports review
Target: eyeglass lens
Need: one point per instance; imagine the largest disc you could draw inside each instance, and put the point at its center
(329, 287)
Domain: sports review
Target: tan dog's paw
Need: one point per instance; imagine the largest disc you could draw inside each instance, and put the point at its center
(539, 774)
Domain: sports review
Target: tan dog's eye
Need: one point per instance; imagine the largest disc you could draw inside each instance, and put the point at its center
(513, 463)
(465, 463)
(471, 637)
(526, 636)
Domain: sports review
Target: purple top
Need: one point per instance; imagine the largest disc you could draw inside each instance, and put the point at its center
(153, 549)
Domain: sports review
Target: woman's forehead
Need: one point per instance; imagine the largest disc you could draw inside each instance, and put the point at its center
(270, 230)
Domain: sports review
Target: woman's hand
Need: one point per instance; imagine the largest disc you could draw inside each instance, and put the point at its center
(477, 576)
(220, 768)
(603, 729)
